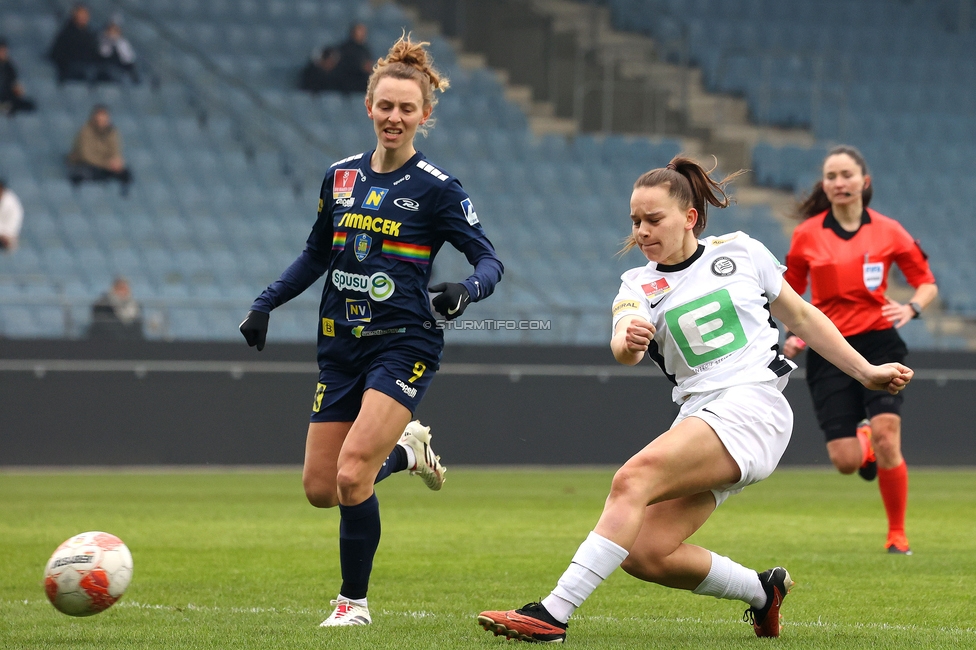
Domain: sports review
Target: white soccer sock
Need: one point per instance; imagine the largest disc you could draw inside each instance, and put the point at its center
(411, 456)
(595, 560)
(360, 601)
(732, 581)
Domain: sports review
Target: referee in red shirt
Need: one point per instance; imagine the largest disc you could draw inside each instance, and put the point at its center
(845, 250)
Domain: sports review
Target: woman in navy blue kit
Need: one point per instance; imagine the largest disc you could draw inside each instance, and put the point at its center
(382, 217)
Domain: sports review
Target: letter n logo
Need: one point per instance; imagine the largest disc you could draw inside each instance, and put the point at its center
(374, 198)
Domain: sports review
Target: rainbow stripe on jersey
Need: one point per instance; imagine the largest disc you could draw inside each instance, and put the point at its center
(406, 252)
(338, 241)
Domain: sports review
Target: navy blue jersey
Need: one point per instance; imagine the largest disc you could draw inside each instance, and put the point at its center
(375, 237)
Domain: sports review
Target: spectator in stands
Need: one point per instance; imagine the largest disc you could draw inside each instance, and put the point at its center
(319, 74)
(75, 49)
(97, 152)
(116, 314)
(11, 218)
(345, 67)
(117, 54)
(846, 250)
(12, 97)
(355, 61)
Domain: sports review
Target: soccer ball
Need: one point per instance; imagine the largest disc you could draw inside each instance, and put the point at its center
(88, 573)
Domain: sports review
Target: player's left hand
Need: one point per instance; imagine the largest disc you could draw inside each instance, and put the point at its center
(255, 328)
(897, 313)
(892, 377)
(452, 301)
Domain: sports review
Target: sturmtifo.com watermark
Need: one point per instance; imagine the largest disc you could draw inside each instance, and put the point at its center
(490, 324)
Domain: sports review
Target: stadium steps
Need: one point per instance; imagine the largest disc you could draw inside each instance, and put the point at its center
(720, 123)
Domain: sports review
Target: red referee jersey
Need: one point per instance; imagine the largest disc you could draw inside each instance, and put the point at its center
(849, 271)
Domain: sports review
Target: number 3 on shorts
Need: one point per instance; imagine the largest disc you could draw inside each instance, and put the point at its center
(418, 371)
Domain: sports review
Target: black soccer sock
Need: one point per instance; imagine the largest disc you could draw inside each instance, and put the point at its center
(359, 535)
(396, 462)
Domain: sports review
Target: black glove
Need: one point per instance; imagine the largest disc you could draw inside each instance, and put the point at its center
(452, 300)
(255, 328)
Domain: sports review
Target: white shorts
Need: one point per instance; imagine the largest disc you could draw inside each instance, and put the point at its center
(753, 421)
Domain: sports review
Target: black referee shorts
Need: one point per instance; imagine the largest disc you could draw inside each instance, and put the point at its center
(840, 401)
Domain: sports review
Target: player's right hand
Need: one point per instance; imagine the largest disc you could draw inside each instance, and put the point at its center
(255, 328)
(792, 346)
(892, 377)
(638, 335)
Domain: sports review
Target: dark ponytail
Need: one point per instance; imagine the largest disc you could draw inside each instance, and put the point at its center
(691, 185)
(817, 201)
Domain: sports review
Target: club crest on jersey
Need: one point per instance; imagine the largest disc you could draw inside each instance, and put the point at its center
(358, 310)
(361, 245)
(723, 267)
(656, 288)
(469, 212)
(374, 199)
(343, 183)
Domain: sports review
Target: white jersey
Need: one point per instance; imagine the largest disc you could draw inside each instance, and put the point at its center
(711, 312)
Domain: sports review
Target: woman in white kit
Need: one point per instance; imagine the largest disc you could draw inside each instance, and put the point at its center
(702, 310)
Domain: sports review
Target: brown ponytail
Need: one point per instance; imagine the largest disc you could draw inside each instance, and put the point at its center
(691, 185)
(410, 60)
(817, 201)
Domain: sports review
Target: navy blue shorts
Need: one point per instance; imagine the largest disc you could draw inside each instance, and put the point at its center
(399, 373)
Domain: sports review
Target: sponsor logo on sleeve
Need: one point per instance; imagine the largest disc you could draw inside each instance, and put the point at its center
(361, 245)
(343, 183)
(374, 198)
(358, 310)
(469, 212)
(625, 305)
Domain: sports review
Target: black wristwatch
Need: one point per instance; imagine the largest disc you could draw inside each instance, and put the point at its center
(915, 308)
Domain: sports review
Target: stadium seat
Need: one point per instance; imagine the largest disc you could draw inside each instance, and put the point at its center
(186, 323)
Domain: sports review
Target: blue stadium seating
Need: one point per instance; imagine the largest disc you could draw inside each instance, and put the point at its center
(843, 70)
(225, 172)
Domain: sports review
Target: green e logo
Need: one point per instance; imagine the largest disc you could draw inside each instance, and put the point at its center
(707, 328)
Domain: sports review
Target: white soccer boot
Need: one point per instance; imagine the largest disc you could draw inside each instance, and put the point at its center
(347, 613)
(417, 437)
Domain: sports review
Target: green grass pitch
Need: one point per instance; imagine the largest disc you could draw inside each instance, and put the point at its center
(239, 560)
